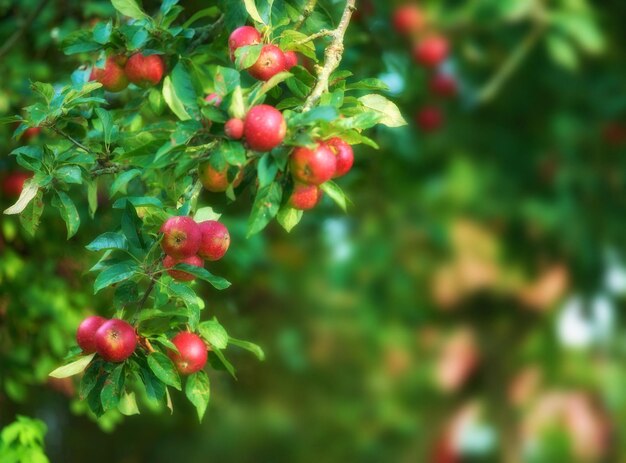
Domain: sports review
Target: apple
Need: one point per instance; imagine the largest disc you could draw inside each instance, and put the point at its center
(264, 128)
(305, 197)
(429, 118)
(30, 133)
(145, 71)
(215, 240)
(271, 61)
(181, 237)
(291, 59)
(181, 275)
(115, 340)
(86, 333)
(192, 353)
(112, 76)
(443, 85)
(14, 183)
(344, 153)
(313, 166)
(233, 128)
(215, 180)
(213, 99)
(408, 19)
(431, 51)
(241, 37)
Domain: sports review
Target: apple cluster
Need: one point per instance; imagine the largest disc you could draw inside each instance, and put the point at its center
(187, 242)
(119, 70)
(430, 49)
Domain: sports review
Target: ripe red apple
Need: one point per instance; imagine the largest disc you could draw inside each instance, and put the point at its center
(181, 275)
(305, 197)
(112, 76)
(443, 85)
(213, 99)
(181, 237)
(234, 128)
(344, 153)
(291, 59)
(215, 240)
(115, 340)
(431, 51)
(429, 118)
(214, 180)
(14, 183)
(145, 71)
(408, 19)
(313, 166)
(192, 353)
(271, 61)
(241, 37)
(264, 128)
(30, 133)
(86, 333)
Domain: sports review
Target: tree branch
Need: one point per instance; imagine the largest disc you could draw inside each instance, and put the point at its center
(205, 33)
(22, 30)
(317, 35)
(332, 57)
(70, 138)
(308, 10)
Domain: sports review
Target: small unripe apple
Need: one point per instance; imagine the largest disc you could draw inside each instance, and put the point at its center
(215, 180)
(115, 340)
(86, 333)
(408, 19)
(215, 240)
(264, 128)
(192, 353)
(431, 51)
(429, 118)
(443, 85)
(181, 237)
(234, 128)
(13, 184)
(112, 76)
(304, 197)
(313, 166)
(291, 59)
(213, 99)
(181, 275)
(344, 153)
(271, 61)
(241, 37)
(145, 71)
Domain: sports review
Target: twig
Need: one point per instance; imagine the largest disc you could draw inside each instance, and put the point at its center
(114, 169)
(18, 33)
(332, 57)
(70, 138)
(317, 35)
(206, 32)
(306, 12)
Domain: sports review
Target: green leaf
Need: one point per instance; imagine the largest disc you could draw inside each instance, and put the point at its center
(288, 217)
(321, 113)
(223, 361)
(184, 90)
(102, 32)
(390, 113)
(108, 240)
(68, 212)
(252, 11)
(129, 8)
(248, 55)
(128, 404)
(120, 183)
(266, 170)
(114, 274)
(73, 368)
(107, 124)
(206, 213)
(198, 391)
(112, 389)
(265, 207)
(249, 346)
(44, 89)
(173, 101)
(26, 196)
(214, 333)
(335, 193)
(202, 273)
(29, 218)
(190, 299)
(90, 378)
(131, 226)
(92, 197)
(69, 174)
(164, 369)
(138, 201)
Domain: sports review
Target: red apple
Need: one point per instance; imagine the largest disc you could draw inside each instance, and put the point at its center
(305, 196)
(215, 240)
(216, 180)
(271, 61)
(112, 76)
(431, 51)
(344, 153)
(291, 59)
(192, 353)
(443, 85)
(30, 133)
(429, 118)
(234, 128)
(264, 128)
(213, 99)
(408, 19)
(145, 71)
(14, 183)
(241, 37)
(115, 340)
(181, 237)
(86, 333)
(181, 275)
(313, 166)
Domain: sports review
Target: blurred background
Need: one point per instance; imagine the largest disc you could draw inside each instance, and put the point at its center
(467, 308)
